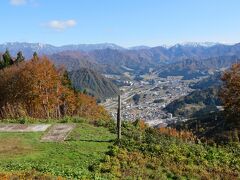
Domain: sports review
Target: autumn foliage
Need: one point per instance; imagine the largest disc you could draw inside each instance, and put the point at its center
(185, 135)
(36, 88)
(230, 94)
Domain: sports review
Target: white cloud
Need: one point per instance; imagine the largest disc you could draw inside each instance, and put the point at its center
(61, 25)
(32, 3)
(17, 2)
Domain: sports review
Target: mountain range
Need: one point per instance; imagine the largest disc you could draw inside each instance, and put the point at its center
(189, 60)
(45, 49)
(193, 68)
(111, 58)
(29, 48)
(155, 54)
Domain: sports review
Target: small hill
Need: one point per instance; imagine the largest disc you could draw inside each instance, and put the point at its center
(213, 80)
(94, 83)
(203, 100)
(197, 101)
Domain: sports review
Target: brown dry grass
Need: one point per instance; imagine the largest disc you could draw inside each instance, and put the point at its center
(13, 146)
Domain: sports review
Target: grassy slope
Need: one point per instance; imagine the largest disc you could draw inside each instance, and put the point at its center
(24, 151)
(145, 153)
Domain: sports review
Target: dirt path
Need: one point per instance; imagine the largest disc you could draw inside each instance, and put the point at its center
(23, 127)
(58, 132)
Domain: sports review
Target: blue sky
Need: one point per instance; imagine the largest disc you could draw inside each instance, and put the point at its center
(124, 22)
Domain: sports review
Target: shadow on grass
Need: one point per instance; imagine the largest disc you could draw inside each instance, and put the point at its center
(87, 140)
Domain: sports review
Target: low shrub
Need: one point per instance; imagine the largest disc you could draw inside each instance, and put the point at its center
(149, 153)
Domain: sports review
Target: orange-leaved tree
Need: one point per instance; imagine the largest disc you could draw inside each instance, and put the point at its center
(36, 88)
(230, 93)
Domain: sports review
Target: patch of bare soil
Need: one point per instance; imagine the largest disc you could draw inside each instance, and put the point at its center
(58, 132)
(23, 127)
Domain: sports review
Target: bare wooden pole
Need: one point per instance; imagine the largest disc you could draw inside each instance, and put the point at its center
(119, 118)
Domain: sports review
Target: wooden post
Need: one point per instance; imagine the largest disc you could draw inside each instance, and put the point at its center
(119, 118)
(196, 125)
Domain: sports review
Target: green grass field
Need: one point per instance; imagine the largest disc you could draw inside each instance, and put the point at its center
(90, 153)
(85, 146)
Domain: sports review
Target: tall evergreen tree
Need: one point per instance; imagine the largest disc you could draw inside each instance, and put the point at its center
(35, 55)
(20, 57)
(1, 63)
(85, 91)
(66, 80)
(7, 59)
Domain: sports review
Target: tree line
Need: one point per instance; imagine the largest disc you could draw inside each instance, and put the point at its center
(7, 60)
(36, 88)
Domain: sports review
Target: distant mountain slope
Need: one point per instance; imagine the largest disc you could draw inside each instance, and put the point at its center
(193, 58)
(197, 101)
(94, 83)
(91, 47)
(155, 54)
(181, 52)
(136, 60)
(46, 49)
(192, 68)
(28, 48)
(202, 100)
(213, 80)
(139, 47)
(105, 61)
(73, 60)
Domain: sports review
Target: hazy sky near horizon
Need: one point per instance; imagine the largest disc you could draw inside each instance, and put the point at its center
(123, 22)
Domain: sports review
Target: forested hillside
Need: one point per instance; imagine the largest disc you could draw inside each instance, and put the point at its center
(202, 100)
(195, 102)
(212, 80)
(93, 83)
(194, 68)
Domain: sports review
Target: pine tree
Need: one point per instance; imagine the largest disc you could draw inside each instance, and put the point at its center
(20, 57)
(35, 55)
(66, 80)
(7, 58)
(1, 63)
(84, 91)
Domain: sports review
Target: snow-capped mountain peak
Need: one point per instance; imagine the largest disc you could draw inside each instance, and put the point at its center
(197, 44)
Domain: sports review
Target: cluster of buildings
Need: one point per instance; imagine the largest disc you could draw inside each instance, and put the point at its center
(155, 95)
